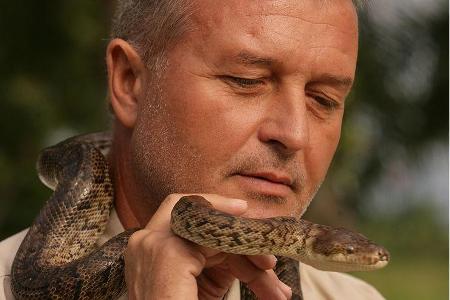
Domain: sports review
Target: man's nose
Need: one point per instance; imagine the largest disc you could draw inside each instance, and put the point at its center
(286, 123)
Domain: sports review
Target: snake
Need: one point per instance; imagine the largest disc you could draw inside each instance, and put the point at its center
(59, 259)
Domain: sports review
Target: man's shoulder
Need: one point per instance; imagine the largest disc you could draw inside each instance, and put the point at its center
(319, 285)
(8, 249)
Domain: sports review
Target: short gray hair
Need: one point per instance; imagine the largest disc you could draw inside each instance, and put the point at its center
(151, 26)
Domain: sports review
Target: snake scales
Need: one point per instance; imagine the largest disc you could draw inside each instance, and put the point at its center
(58, 258)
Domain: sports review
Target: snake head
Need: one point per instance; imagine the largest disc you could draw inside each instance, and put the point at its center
(340, 249)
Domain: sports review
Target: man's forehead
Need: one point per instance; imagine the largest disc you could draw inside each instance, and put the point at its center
(216, 9)
(232, 21)
(210, 15)
(276, 38)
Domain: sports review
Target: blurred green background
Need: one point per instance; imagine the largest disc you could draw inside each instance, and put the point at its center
(389, 179)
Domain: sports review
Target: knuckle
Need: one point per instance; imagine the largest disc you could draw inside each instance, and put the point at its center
(135, 239)
(143, 240)
(154, 240)
(177, 249)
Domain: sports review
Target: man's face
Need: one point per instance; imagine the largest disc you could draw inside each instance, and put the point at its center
(250, 105)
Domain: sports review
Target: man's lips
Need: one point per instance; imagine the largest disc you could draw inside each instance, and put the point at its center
(274, 177)
(270, 183)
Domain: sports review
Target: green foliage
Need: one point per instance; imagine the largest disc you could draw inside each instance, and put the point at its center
(419, 256)
(52, 80)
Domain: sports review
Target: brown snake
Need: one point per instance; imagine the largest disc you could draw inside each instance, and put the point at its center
(58, 258)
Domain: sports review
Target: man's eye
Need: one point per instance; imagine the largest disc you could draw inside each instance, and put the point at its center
(328, 104)
(243, 82)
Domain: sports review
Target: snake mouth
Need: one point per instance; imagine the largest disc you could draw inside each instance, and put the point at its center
(341, 263)
(371, 261)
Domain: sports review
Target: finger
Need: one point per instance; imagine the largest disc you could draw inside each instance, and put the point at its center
(228, 205)
(213, 283)
(155, 263)
(243, 269)
(264, 283)
(286, 290)
(263, 262)
(269, 287)
(215, 258)
(161, 219)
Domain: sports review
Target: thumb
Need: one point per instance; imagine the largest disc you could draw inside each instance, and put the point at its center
(161, 219)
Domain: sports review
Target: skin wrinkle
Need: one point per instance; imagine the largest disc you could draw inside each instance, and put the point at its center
(282, 33)
(331, 45)
(287, 13)
(328, 25)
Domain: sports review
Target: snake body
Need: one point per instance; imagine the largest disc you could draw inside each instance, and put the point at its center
(58, 258)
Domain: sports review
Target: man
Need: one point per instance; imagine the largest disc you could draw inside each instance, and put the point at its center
(241, 101)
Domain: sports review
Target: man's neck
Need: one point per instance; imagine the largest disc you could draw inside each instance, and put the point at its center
(128, 200)
(121, 203)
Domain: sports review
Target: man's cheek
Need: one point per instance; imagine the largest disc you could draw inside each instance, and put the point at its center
(318, 162)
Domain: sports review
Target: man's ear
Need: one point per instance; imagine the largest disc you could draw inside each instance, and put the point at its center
(126, 72)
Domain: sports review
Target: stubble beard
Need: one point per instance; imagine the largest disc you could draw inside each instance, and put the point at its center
(158, 157)
(247, 163)
(160, 168)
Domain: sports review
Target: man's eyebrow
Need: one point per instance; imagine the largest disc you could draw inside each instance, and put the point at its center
(339, 81)
(248, 58)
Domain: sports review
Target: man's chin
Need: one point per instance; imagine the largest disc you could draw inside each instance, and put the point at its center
(268, 206)
(265, 199)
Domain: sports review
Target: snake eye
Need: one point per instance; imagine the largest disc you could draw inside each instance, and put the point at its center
(350, 249)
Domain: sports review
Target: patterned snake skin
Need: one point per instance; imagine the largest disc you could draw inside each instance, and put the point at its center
(58, 258)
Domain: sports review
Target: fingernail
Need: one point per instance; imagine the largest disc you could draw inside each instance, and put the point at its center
(238, 203)
(274, 261)
(286, 290)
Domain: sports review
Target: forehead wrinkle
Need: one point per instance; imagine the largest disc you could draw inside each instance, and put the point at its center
(295, 10)
(305, 19)
(327, 28)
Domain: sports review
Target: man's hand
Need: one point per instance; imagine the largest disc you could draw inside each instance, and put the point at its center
(161, 265)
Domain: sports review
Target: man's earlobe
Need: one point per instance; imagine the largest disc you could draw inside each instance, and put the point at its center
(125, 81)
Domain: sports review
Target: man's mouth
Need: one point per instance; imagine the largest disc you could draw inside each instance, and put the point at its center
(271, 183)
